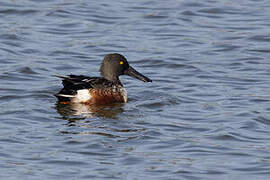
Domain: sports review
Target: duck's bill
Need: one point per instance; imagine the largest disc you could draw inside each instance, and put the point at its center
(133, 73)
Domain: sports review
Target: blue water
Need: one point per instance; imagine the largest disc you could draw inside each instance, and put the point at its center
(205, 116)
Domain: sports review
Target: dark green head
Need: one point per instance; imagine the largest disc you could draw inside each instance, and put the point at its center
(115, 65)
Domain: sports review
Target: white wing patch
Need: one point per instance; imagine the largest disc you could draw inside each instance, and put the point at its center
(82, 96)
(65, 95)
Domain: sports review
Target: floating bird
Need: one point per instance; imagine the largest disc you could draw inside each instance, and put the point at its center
(99, 90)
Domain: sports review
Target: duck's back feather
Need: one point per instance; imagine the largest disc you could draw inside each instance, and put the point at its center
(77, 86)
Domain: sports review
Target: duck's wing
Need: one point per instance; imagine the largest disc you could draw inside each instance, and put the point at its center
(73, 83)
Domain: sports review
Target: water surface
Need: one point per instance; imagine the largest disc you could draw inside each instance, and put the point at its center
(205, 116)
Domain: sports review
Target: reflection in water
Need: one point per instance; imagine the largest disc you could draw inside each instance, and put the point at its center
(76, 114)
(78, 109)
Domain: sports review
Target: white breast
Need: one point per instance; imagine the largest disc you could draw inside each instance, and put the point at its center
(124, 92)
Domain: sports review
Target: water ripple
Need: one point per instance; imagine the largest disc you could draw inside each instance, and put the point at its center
(204, 116)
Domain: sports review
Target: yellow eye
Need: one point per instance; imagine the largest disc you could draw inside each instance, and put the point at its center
(121, 62)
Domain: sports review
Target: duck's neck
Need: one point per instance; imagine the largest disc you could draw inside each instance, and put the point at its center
(114, 79)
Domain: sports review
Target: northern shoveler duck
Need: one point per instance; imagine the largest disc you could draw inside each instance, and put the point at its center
(100, 90)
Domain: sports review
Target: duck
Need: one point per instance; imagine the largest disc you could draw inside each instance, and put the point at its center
(106, 89)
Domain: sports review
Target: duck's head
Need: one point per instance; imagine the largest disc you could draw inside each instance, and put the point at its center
(115, 65)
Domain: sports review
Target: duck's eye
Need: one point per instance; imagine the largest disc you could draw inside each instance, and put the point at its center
(121, 62)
